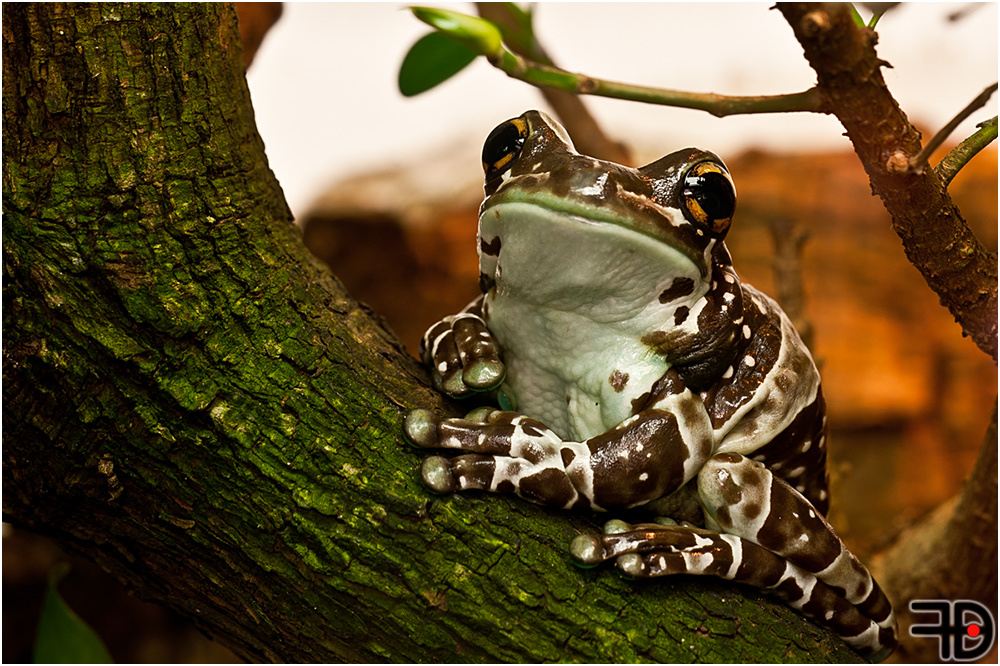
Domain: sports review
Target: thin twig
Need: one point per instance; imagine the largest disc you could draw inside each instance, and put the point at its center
(588, 136)
(536, 74)
(486, 38)
(917, 162)
(964, 11)
(948, 167)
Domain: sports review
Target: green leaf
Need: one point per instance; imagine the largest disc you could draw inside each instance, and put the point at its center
(475, 33)
(520, 33)
(858, 21)
(433, 59)
(63, 638)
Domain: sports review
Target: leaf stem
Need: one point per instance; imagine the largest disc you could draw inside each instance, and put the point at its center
(960, 155)
(537, 74)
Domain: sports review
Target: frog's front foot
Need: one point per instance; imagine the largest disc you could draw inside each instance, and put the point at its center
(420, 428)
(463, 356)
(507, 453)
(425, 429)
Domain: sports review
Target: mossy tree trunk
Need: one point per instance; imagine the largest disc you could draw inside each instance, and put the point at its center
(193, 402)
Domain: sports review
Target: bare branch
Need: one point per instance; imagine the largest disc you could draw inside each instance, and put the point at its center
(937, 240)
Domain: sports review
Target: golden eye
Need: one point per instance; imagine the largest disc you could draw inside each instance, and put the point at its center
(709, 197)
(503, 147)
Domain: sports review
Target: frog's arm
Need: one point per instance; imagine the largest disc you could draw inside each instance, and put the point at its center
(649, 455)
(462, 354)
(771, 537)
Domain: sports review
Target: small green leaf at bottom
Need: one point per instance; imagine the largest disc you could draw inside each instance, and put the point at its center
(433, 59)
(63, 638)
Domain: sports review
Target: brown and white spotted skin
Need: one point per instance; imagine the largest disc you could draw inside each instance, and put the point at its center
(633, 369)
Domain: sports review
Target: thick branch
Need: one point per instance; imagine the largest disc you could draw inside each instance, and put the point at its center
(191, 401)
(942, 558)
(935, 237)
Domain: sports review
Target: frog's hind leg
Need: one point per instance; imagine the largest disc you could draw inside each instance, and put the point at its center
(650, 551)
(743, 498)
(769, 537)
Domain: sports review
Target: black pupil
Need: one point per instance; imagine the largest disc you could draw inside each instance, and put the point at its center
(502, 141)
(714, 194)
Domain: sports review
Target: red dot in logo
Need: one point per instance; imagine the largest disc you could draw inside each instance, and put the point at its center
(972, 630)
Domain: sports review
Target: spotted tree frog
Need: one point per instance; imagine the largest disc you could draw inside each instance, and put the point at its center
(633, 369)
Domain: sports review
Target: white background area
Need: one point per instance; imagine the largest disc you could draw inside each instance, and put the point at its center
(324, 81)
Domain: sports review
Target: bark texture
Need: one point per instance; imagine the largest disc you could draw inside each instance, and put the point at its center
(953, 553)
(936, 239)
(194, 403)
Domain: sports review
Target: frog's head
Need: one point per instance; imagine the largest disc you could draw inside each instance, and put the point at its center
(573, 231)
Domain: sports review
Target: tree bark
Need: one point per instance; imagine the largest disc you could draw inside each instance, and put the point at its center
(951, 554)
(936, 239)
(945, 556)
(194, 403)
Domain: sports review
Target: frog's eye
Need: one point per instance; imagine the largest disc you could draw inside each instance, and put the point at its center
(709, 197)
(503, 146)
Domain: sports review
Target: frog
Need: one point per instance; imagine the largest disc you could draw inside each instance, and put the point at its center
(625, 367)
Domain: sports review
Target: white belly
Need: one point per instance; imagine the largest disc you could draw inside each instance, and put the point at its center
(576, 376)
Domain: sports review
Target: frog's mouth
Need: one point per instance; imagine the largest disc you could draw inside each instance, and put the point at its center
(628, 212)
(571, 259)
